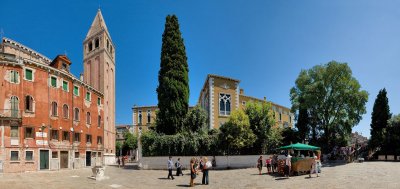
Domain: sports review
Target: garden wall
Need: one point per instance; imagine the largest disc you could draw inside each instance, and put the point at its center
(222, 162)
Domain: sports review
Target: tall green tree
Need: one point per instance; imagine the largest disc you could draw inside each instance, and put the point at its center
(173, 86)
(236, 134)
(334, 101)
(302, 125)
(379, 119)
(261, 120)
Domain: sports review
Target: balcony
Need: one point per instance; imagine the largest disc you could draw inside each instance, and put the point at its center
(10, 114)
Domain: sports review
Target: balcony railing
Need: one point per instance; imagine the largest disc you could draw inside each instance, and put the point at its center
(10, 113)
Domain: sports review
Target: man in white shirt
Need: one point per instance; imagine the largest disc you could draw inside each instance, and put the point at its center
(170, 165)
(288, 165)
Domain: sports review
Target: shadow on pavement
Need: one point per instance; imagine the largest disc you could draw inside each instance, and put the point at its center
(282, 178)
(187, 185)
(163, 178)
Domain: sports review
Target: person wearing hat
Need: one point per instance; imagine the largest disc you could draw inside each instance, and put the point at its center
(288, 165)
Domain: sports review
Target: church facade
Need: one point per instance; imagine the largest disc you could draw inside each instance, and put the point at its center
(219, 96)
(50, 119)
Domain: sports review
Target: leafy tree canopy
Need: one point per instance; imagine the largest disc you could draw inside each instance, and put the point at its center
(333, 99)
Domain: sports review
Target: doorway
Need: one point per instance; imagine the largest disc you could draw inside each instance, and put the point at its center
(88, 158)
(44, 159)
(63, 159)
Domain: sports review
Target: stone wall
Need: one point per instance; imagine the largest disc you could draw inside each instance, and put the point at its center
(222, 162)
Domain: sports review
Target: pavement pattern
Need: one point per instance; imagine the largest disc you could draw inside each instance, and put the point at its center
(334, 176)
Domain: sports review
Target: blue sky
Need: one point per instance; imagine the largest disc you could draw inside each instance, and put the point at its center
(263, 43)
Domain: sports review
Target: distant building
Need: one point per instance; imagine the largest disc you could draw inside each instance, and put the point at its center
(357, 139)
(219, 97)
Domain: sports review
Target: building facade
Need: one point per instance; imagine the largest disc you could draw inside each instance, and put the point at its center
(49, 119)
(219, 97)
(99, 72)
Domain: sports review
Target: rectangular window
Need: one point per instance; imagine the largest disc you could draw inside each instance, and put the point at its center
(98, 101)
(54, 154)
(99, 140)
(14, 156)
(76, 154)
(65, 85)
(29, 132)
(14, 131)
(65, 135)
(280, 116)
(88, 96)
(54, 134)
(29, 74)
(28, 155)
(88, 138)
(76, 90)
(14, 76)
(77, 137)
(99, 121)
(53, 81)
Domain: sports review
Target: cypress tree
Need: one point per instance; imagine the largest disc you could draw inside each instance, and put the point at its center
(303, 121)
(379, 119)
(173, 80)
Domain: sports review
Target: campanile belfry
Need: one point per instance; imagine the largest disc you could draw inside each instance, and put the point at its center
(99, 72)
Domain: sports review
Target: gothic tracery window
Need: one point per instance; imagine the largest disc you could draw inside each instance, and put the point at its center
(224, 104)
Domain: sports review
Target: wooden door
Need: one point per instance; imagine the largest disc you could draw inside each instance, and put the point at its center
(88, 158)
(64, 159)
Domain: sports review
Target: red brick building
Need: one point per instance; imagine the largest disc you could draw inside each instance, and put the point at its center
(49, 119)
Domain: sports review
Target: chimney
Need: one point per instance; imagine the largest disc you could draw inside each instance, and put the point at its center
(241, 92)
(81, 77)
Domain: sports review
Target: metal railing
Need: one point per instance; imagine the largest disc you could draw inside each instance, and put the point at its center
(10, 113)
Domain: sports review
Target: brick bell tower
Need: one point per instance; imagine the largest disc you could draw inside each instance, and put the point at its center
(99, 72)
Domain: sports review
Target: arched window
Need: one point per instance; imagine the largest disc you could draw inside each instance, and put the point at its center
(224, 104)
(97, 43)
(65, 111)
(148, 116)
(99, 121)
(140, 117)
(29, 103)
(14, 106)
(88, 117)
(90, 46)
(54, 109)
(76, 114)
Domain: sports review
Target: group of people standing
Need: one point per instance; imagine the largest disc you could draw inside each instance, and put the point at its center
(271, 163)
(197, 165)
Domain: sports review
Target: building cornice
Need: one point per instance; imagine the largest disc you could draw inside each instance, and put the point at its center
(12, 43)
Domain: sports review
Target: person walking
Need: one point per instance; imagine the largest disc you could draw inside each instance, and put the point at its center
(206, 166)
(119, 161)
(178, 166)
(170, 164)
(268, 162)
(274, 163)
(288, 165)
(260, 164)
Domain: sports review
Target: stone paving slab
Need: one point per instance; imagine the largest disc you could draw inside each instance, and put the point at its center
(356, 175)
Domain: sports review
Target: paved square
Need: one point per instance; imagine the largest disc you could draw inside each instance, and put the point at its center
(355, 175)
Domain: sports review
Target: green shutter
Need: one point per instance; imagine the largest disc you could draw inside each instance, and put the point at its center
(98, 101)
(76, 91)
(53, 81)
(28, 74)
(65, 86)
(87, 96)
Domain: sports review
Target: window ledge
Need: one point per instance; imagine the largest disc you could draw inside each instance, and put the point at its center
(29, 112)
(15, 161)
(29, 162)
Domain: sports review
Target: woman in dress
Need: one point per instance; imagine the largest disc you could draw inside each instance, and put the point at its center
(193, 171)
(260, 164)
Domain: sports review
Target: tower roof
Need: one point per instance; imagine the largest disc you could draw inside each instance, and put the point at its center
(98, 24)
